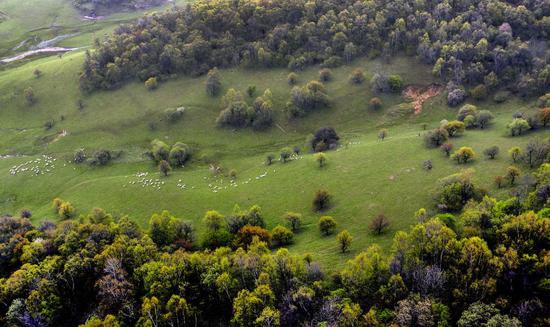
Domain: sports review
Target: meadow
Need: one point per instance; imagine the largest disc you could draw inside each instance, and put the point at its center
(365, 175)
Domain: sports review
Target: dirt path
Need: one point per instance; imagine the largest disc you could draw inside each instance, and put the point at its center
(419, 95)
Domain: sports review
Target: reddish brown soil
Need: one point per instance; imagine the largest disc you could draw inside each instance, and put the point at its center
(419, 95)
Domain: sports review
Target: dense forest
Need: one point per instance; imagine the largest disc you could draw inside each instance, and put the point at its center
(486, 266)
(488, 44)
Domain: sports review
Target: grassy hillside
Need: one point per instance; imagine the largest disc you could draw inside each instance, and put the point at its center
(365, 175)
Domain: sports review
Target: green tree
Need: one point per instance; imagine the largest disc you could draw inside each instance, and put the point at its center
(321, 159)
(344, 240)
(281, 235)
(512, 173)
(293, 220)
(164, 167)
(285, 154)
(327, 225)
(515, 153)
(213, 82)
(151, 83)
(463, 155)
(518, 126)
(29, 95)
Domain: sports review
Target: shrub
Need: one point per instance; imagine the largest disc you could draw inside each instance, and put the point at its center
(491, 152)
(321, 159)
(324, 139)
(332, 61)
(101, 158)
(233, 174)
(344, 240)
(446, 148)
(293, 220)
(382, 134)
(159, 150)
(247, 233)
(379, 83)
(375, 103)
(327, 225)
(454, 128)
(379, 224)
(395, 83)
(436, 137)
(213, 82)
(456, 97)
(151, 83)
(251, 90)
(285, 154)
(79, 156)
(514, 153)
(281, 235)
(309, 97)
(26, 213)
(512, 173)
(484, 118)
(29, 95)
(357, 77)
(518, 126)
(427, 164)
(456, 190)
(463, 155)
(37, 73)
(544, 116)
(164, 167)
(236, 114)
(466, 110)
(173, 115)
(544, 101)
(322, 200)
(179, 154)
(269, 159)
(499, 180)
(292, 78)
(479, 92)
(325, 75)
(66, 210)
(470, 122)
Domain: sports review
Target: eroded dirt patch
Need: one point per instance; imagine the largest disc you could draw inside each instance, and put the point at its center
(419, 94)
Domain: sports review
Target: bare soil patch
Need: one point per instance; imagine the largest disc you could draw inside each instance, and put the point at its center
(419, 94)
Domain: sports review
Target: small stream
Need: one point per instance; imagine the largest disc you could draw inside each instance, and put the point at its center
(44, 47)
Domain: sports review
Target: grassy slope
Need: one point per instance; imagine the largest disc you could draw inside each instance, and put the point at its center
(358, 175)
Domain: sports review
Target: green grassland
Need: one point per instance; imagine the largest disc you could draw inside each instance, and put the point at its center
(365, 175)
(32, 21)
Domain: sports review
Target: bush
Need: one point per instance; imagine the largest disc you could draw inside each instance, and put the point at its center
(380, 83)
(395, 83)
(446, 148)
(29, 95)
(332, 62)
(357, 77)
(456, 97)
(375, 103)
(518, 126)
(151, 83)
(285, 154)
(484, 118)
(179, 154)
(281, 235)
(325, 138)
(292, 78)
(512, 173)
(491, 152)
(325, 75)
(327, 225)
(159, 150)
(454, 128)
(436, 137)
(501, 96)
(321, 159)
(382, 134)
(463, 155)
(479, 92)
(213, 82)
(309, 97)
(427, 165)
(247, 233)
(66, 210)
(344, 240)
(164, 167)
(379, 224)
(79, 156)
(269, 159)
(293, 220)
(173, 115)
(101, 158)
(322, 200)
(466, 110)
(251, 90)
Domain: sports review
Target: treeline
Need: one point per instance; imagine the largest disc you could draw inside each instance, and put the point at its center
(486, 266)
(491, 44)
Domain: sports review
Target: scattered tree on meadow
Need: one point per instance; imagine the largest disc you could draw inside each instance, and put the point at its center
(379, 224)
(375, 103)
(29, 95)
(269, 159)
(463, 155)
(499, 180)
(515, 153)
(454, 128)
(446, 148)
(251, 90)
(213, 82)
(164, 167)
(357, 76)
(292, 78)
(382, 134)
(37, 73)
(491, 152)
(293, 220)
(344, 240)
(322, 200)
(321, 159)
(436, 137)
(286, 153)
(512, 173)
(325, 75)
(327, 225)
(281, 236)
(324, 139)
(151, 83)
(518, 126)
